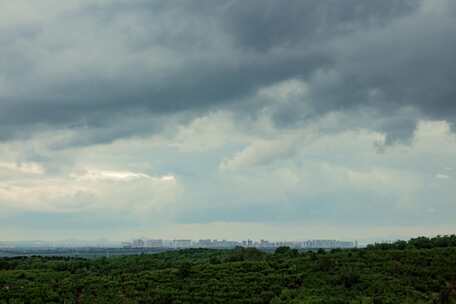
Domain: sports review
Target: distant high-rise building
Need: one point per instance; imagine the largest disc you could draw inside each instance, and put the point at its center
(138, 243)
(154, 243)
(205, 243)
(182, 243)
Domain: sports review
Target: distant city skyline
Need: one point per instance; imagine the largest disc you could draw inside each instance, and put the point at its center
(214, 244)
(229, 232)
(185, 243)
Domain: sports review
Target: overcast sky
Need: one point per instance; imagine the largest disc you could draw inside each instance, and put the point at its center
(294, 119)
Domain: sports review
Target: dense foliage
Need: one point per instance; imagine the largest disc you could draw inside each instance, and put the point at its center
(419, 271)
(419, 243)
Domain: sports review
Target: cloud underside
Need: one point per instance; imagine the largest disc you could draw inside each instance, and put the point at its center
(158, 113)
(81, 64)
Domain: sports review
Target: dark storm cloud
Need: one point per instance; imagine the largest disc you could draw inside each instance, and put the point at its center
(102, 63)
(262, 25)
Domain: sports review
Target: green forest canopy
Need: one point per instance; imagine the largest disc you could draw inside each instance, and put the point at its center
(422, 270)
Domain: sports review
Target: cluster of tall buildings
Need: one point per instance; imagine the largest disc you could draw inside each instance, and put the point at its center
(208, 243)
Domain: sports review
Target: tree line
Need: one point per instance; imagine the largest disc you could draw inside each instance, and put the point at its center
(422, 270)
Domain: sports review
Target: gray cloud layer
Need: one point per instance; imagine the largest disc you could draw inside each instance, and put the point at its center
(99, 64)
(201, 118)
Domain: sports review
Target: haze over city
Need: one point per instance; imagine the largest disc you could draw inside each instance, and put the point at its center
(227, 119)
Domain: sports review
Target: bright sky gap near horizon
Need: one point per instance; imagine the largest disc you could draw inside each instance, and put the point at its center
(297, 119)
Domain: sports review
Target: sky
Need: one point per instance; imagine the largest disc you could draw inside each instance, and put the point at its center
(227, 119)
